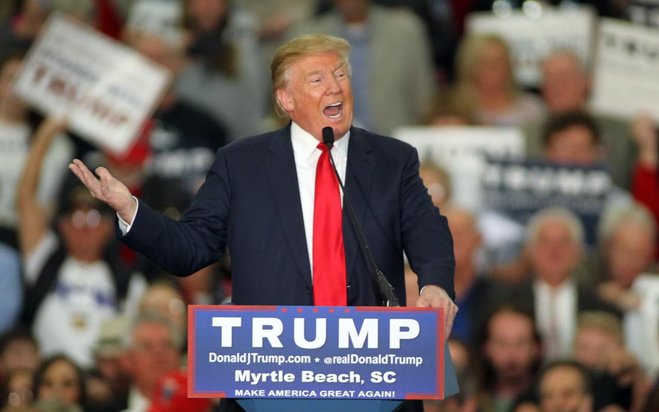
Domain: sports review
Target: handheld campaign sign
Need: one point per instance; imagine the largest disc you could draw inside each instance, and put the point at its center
(316, 352)
(104, 89)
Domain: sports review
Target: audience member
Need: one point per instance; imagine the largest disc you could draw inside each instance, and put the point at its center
(182, 137)
(17, 388)
(565, 87)
(227, 74)
(15, 140)
(565, 386)
(152, 350)
(18, 350)
(473, 290)
(392, 75)
(73, 282)
(555, 246)
(164, 299)
(511, 352)
(465, 369)
(171, 395)
(485, 90)
(614, 372)
(108, 382)
(59, 379)
(627, 240)
(645, 180)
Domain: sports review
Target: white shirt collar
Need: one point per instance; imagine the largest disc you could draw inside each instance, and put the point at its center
(304, 144)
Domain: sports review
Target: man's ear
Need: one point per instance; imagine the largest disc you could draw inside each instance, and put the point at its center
(285, 100)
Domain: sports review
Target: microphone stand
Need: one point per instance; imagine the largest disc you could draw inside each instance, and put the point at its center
(386, 289)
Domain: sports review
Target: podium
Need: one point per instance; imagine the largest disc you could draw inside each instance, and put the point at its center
(282, 358)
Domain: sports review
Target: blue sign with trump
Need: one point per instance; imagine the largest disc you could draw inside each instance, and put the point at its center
(315, 352)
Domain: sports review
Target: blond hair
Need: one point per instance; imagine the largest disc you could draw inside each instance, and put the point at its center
(289, 52)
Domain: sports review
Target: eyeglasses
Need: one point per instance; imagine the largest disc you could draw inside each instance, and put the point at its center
(90, 218)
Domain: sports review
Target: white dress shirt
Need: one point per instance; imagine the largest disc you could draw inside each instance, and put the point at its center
(306, 153)
(556, 314)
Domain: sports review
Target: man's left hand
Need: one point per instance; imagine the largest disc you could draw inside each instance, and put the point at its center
(436, 297)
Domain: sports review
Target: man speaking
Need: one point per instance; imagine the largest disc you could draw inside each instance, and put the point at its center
(274, 202)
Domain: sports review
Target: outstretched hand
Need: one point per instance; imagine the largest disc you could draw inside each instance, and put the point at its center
(106, 189)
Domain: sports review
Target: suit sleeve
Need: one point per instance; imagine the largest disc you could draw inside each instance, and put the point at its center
(426, 236)
(198, 238)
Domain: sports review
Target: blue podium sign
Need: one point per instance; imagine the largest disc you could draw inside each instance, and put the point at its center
(315, 352)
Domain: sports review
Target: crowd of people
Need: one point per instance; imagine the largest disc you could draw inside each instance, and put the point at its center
(554, 320)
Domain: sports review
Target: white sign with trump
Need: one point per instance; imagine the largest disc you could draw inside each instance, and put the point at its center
(104, 89)
(532, 35)
(626, 78)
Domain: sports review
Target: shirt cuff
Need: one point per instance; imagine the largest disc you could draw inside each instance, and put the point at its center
(124, 227)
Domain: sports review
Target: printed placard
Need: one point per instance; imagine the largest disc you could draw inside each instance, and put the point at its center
(104, 89)
(462, 151)
(626, 70)
(518, 189)
(532, 38)
(316, 352)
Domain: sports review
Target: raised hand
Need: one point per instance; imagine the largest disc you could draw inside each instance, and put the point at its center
(106, 189)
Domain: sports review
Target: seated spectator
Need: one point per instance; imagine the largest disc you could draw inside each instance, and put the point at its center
(182, 138)
(614, 372)
(152, 350)
(510, 354)
(485, 90)
(108, 383)
(226, 74)
(392, 73)
(18, 350)
(16, 389)
(565, 87)
(627, 239)
(465, 369)
(59, 379)
(554, 246)
(565, 386)
(474, 290)
(73, 281)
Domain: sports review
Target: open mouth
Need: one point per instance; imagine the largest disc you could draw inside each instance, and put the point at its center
(334, 110)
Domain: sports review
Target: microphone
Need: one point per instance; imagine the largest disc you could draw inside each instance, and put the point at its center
(386, 290)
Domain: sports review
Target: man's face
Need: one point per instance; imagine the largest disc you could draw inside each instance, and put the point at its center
(318, 94)
(553, 252)
(511, 348)
(562, 390)
(629, 253)
(573, 146)
(564, 84)
(153, 354)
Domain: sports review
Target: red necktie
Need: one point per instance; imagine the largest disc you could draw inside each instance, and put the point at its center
(329, 262)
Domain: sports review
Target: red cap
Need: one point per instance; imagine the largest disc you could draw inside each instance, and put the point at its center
(171, 395)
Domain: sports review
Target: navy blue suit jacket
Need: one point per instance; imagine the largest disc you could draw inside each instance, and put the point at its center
(250, 205)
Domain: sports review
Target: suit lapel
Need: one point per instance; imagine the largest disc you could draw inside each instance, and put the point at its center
(282, 176)
(359, 179)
